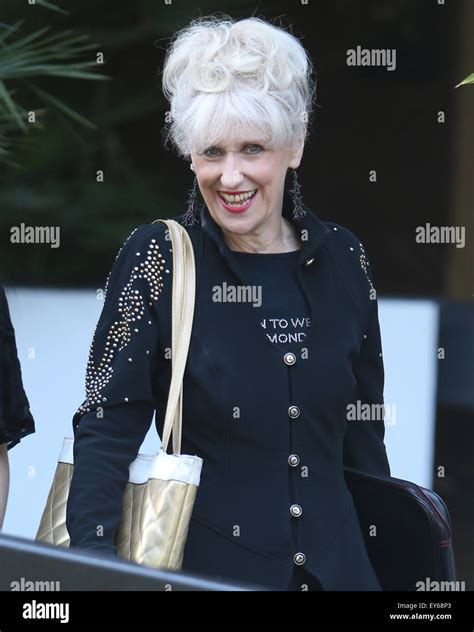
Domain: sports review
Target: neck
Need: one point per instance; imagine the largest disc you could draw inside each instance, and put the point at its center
(280, 236)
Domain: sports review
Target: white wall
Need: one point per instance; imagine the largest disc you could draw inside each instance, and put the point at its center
(409, 342)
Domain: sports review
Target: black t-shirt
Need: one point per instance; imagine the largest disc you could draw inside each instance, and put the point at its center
(284, 314)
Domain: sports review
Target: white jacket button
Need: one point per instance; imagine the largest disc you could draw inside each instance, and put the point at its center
(293, 460)
(296, 511)
(289, 358)
(299, 558)
(293, 412)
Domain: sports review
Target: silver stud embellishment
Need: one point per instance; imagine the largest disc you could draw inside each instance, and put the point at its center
(363, 264)
(131, 308)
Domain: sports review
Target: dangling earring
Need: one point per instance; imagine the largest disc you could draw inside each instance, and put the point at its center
(190, 217)
(295, 192)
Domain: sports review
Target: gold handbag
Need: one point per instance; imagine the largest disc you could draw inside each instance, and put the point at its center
(159, 496)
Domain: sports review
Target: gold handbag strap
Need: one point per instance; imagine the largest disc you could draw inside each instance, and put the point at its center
(182, 313)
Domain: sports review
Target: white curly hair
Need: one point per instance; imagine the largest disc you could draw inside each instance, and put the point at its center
(221, 74)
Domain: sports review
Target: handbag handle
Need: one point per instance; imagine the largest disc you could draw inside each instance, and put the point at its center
(182, 313)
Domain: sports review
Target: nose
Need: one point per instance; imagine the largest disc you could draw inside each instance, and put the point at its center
(231, 175)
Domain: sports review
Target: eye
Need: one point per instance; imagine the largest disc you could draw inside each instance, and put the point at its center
(210, 149)
(257, 146)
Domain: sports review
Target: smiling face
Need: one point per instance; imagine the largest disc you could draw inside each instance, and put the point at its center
(247, 166)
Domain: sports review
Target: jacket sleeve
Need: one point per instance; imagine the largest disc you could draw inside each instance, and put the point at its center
(364, 447)
(111, 424)
(16, 419)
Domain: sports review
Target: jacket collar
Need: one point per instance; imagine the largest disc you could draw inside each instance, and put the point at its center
(310, 227)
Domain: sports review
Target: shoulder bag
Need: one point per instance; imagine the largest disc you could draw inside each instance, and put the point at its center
(159, 496)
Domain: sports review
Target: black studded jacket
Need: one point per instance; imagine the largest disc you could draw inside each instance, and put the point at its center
(293, 435)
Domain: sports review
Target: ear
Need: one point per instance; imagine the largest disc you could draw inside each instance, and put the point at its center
(296, 155)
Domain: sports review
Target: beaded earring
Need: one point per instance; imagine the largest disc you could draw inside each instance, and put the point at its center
(295, 193)
(191, 215)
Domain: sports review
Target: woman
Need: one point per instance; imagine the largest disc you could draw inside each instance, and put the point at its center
(16, 420)
(285, 335)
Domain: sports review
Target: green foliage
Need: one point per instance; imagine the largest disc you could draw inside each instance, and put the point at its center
(469, 79)
(31, 56)
(89, 118)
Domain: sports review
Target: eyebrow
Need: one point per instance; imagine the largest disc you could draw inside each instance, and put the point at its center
(243, 143)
